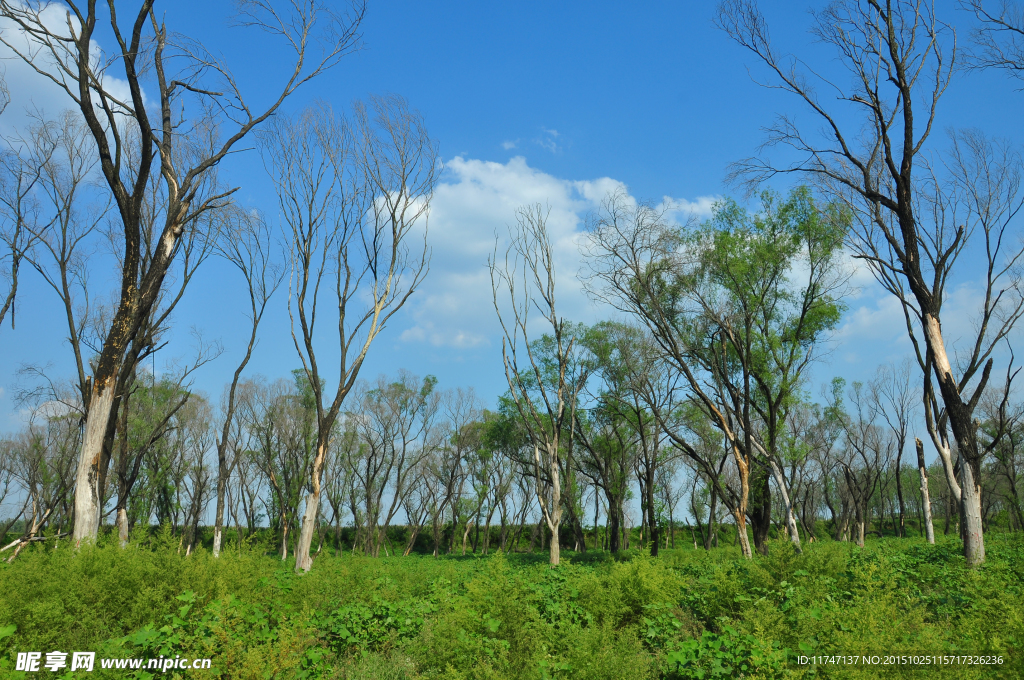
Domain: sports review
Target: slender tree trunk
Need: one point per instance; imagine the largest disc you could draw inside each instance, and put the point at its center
(712, 512)
(122, 526)
(705, 540)
(945, 507)
(899, 492)
(465, 533)
(926, 502)
(652, 517)
(787, 504)
(218, 521)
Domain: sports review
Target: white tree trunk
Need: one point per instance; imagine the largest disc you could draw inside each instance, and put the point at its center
(552, 515)
(929, 529)
(780, 479)
(925, 497)
(87, 481)
(122, 526)
(741, 529)
(303, 560)
(970, 514)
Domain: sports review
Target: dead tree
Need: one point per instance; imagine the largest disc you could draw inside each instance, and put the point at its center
(132, 149)
(353, 193)
(245, 243)
(545, 395)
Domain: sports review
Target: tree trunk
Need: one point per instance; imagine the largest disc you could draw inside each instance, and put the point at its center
(970, 515)
(741, 533)
(780, 480)
(122, 526)
(303, 560)
(218, 521)
(465, 533)
(899, 492)
(965, 433)
(760, 509)
(712, 513)
(652, 517)
(284, 537)
(926, 502)
(87, 481)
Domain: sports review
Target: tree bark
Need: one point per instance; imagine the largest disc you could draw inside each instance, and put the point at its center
(970, 515)
(303, 560)
(780, 480)
(87, 481)
(122, 527)
(926, 502)
(760, 510)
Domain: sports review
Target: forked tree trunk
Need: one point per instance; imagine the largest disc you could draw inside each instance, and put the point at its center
(967, 445)
(87, 481)
(926, 501)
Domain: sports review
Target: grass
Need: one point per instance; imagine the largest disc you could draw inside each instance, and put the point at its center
(686, 614)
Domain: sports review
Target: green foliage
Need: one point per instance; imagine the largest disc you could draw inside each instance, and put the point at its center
(727, 655)
(686, 614)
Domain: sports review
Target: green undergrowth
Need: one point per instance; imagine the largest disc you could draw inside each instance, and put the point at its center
(685, 614)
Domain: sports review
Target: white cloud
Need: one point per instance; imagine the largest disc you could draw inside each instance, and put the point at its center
(32, 93)
(475, 205)
(680, 209)
(508, 145)
(547, 140)
(873, 332)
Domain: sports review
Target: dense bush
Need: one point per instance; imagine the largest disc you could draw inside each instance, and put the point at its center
(685, 614)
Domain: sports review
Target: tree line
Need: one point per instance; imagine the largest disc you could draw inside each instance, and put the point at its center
(707, 367)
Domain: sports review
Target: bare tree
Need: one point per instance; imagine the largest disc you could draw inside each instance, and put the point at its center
(545, 396)
(896, 405)
(901, 57)
(131, 149)
(352, 193)
(999, 35)
(21, 167)
(245, 243)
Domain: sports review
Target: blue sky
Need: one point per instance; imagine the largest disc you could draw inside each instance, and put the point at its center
(528, 101)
